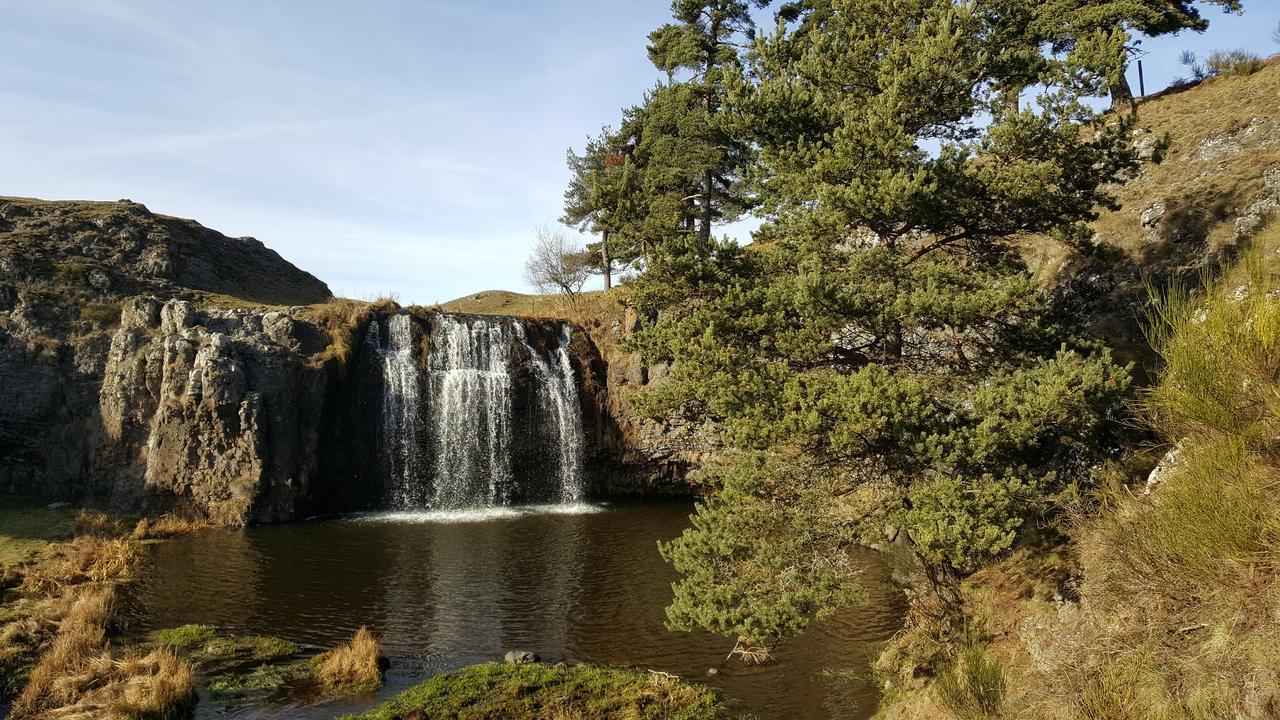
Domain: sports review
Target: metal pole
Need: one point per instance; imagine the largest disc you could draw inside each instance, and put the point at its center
(1142, 85)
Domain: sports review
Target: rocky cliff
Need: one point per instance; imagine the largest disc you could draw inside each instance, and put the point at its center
(66, 269)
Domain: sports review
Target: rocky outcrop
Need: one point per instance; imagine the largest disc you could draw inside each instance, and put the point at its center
(638, 455)
(215, 414)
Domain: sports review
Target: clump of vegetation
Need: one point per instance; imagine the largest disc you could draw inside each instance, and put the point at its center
(100, 314)
(167, 526)
(1234, 62)
(56, 647)
(536, 692)
(86, 559)
(353, 668)
(214, 652)
(973, 686)
(344, 321)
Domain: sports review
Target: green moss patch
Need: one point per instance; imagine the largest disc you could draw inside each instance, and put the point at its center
(524, 692)
(212, 653)
(258, 680)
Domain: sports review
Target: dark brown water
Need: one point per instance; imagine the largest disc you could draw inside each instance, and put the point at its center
(444, 591)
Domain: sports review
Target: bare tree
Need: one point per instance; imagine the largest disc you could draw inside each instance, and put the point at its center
(557, 264)
(1275, 35)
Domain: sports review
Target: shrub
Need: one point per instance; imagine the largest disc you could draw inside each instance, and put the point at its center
(1234, 62)
(973, 686)
(353, 668)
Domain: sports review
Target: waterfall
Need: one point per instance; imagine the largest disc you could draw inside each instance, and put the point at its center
(560, 389)
(470, 393)
(479, 372)
(401, 399)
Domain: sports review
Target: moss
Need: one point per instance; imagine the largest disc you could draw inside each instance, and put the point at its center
(213, 653)
(260, 679)
(525, 692)
(186, 637)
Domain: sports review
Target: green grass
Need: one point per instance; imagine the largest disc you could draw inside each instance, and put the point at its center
(538, 692)
(973, 687)
(26, 530)
(1216, 521)
(261, 679)
(213, 653)
(187, 637)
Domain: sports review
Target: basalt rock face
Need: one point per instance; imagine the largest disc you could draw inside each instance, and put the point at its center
(67, 273)
(245, 416)
(214, 414)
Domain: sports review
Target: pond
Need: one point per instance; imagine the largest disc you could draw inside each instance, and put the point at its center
(583, 583)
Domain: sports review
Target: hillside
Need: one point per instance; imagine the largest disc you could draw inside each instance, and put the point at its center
(66, 262)
(1157, 597)
(1216, 181)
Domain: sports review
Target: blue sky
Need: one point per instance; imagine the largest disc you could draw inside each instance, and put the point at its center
(387, 146)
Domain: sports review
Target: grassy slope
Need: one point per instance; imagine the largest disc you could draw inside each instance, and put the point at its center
(26, 530)
(1162, 606)
(1223, 134)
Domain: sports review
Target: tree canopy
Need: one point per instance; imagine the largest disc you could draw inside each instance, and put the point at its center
(881, 362)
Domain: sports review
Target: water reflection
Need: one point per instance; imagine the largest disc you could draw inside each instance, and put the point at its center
(586, 586)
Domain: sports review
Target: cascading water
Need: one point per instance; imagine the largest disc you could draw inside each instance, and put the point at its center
(401, 398)
(498, 417)
(470, 388)
(560, 388)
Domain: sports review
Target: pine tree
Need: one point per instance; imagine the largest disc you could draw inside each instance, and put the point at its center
(880, 357)
(604, 198)
(1064, 23)
(688, 136)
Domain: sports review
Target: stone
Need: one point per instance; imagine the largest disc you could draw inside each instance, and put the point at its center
(139, 313)
(155, 262)
(177, 315)
(1168, 466)
(99, 280)
(280, 328)
(520, 657)
(1152, 215)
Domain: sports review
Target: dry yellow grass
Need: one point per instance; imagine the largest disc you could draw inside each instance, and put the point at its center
(168, 526)
(72, 594)
(353, 668)
(86, 559)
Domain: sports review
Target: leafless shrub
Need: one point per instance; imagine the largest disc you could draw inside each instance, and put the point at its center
(557, 264)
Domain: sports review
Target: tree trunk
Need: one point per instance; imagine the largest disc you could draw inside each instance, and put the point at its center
(704, 233)
(1121, 93)
(605, 261)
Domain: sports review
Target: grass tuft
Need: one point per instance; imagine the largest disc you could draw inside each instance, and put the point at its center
(973, 686)
(351, 669)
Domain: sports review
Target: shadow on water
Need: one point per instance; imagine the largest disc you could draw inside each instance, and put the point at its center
(446, 591)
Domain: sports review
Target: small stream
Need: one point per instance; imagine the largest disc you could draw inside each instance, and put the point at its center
(445, 589)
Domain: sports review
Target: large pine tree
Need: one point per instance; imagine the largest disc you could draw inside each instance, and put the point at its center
(881, 358)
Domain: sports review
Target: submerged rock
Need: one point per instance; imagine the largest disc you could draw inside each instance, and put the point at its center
(520, 657)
